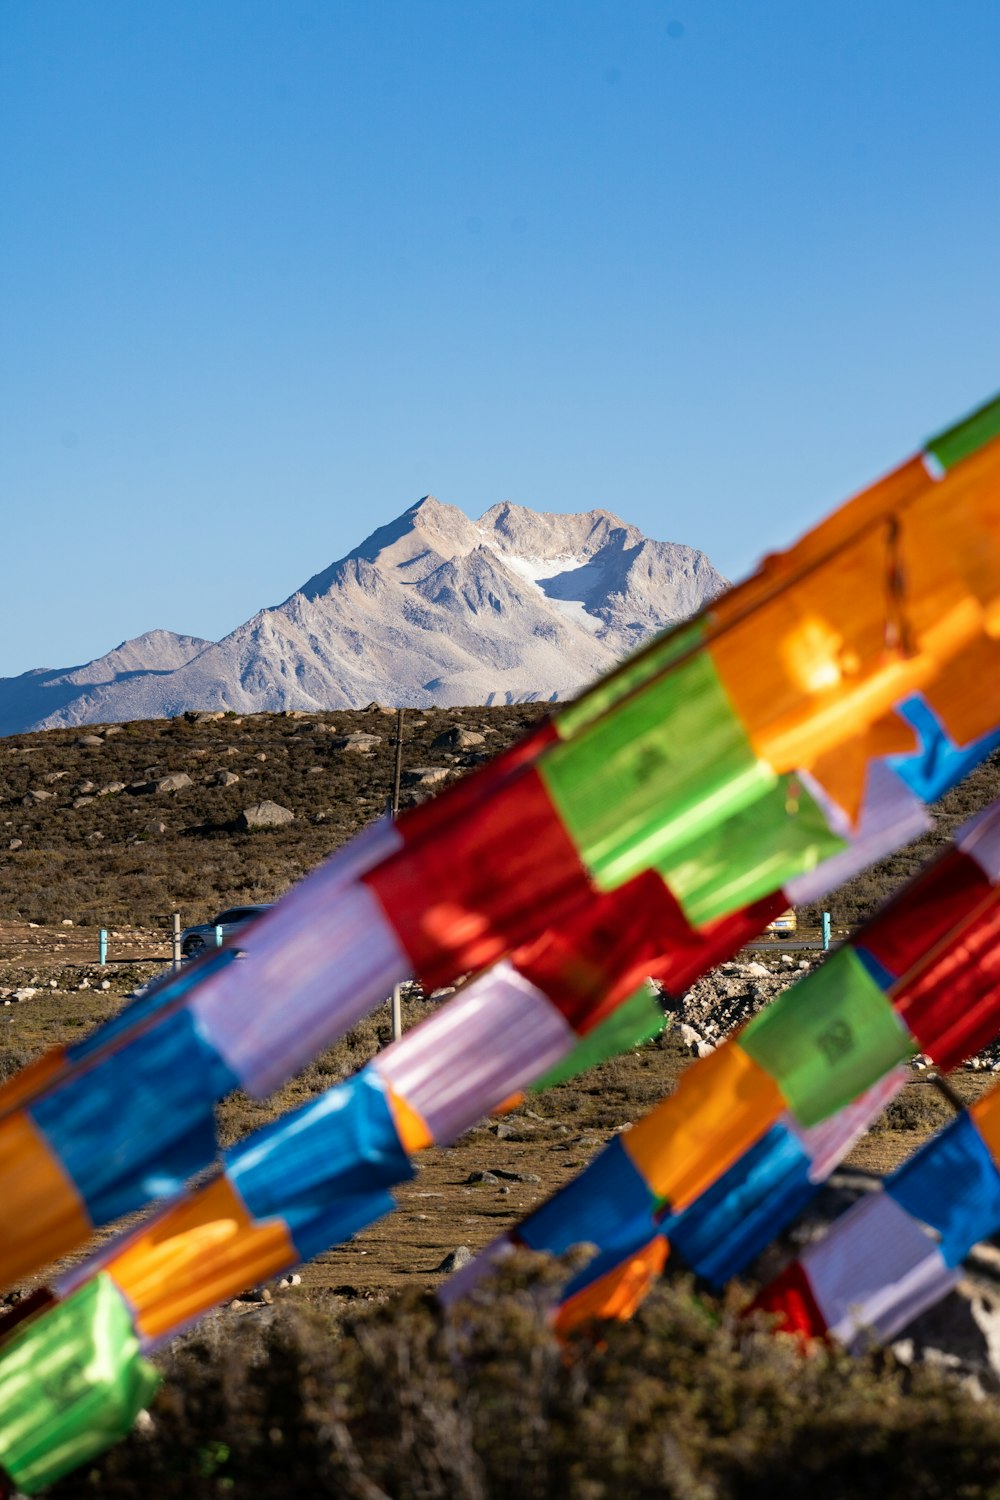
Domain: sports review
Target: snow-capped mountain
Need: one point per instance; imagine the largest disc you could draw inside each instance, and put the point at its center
(433, 608)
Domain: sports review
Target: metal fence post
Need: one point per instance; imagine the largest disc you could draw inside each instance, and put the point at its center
(102, 947)
(218, 935)
(826, 931)
(177, 940)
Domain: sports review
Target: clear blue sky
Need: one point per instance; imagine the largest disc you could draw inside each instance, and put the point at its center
(273, 269)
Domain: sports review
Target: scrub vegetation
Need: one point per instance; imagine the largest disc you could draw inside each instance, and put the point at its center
(688, 1402)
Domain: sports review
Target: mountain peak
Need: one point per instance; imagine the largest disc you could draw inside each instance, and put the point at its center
(430, 608)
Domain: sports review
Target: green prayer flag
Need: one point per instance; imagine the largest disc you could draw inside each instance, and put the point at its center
(633, 673)
(755, 851)
(826, 1039)
(968, 436)
(638, 1019)
(665, 768)
(72, 1382)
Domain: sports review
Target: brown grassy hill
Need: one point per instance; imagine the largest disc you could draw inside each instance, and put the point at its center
(96, 845)
(83, 836)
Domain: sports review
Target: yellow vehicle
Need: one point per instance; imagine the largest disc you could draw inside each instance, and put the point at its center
(784, 926)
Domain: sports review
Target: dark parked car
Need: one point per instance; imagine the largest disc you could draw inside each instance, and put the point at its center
(194, 940)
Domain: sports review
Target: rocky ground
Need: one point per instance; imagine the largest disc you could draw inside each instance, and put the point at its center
(52, 990)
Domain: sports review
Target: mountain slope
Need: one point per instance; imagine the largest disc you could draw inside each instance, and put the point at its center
(432, 608)
(66, 695)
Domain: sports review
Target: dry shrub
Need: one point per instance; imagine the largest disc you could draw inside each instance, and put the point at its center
(688, 1402)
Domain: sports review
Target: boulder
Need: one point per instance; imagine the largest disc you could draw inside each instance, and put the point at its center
(457, 738)
(111, 788)
(225, 778)
(89, 741)
(362, 743)
(175, 783)
(264, 815)
(204, 715)
(456, 1259)
(425, 775)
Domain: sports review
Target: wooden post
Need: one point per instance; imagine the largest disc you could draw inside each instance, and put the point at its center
(397, 1006)
(177, 940)
(398, 766)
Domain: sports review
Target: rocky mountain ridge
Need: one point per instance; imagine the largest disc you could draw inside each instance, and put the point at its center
(518, 606)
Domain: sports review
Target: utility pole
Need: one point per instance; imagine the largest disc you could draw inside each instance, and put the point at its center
(397, 1007)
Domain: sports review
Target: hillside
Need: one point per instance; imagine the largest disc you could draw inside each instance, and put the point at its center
(86, 836)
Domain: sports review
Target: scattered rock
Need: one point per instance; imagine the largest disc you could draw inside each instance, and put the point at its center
(175, 783)
(689, 1036)
(225, 778)
(111, 789)
(204, 715)
(15, 844)
(425, 775)
(51, 777)
(82, 801)
(89, 741)
(264, 815)
(37, 795)
(359, 742)
(156, 826)
(485, 1179)
(256, 1294)
(455, 1259)
(457, 738)
(28, 993)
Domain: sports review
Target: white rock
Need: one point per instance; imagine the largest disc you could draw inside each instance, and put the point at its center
(264, 815)
(425, 775)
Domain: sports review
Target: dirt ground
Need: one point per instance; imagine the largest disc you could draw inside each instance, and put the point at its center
(532, 1152)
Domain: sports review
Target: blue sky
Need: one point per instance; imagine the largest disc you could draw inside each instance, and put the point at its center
(273, 269)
